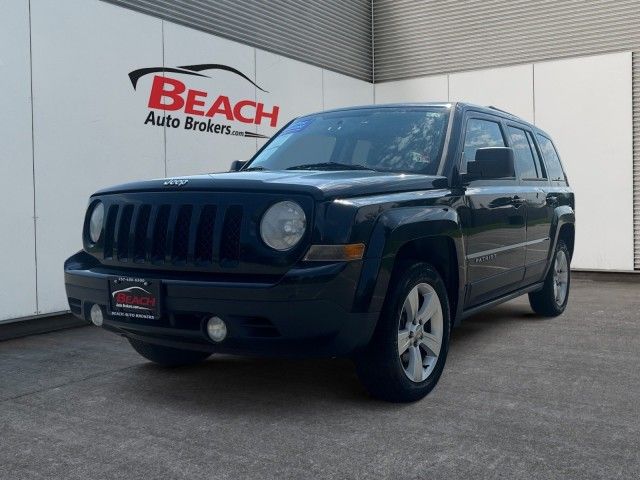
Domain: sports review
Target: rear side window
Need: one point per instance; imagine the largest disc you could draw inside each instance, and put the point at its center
(526, 163)
(551, 159)
(536, 154)
(480, 134)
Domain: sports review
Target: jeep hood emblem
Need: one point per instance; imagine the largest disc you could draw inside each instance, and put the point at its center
(175, 182)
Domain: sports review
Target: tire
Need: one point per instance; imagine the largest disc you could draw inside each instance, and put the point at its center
(383, 370)
(168, 356)
(551, 300)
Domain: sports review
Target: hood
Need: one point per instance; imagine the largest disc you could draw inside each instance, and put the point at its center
(322, 185)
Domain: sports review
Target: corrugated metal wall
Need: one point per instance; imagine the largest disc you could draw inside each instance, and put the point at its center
(636, 157)
(333, 34)
(425, 37)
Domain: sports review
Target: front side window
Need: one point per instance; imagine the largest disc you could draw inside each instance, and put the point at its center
(551, 159)
(480, 134)
(386, 139)
(522, 149)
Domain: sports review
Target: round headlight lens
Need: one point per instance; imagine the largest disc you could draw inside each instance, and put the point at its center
(283, 225)
(95, 222)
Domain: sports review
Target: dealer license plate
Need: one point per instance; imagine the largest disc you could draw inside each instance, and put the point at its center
(133, 297)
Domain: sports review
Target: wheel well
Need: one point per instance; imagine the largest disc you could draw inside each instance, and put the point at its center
(568, 234)
(440, 252)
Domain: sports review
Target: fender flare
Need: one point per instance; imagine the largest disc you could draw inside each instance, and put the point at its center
(562, 215)
(394, 229)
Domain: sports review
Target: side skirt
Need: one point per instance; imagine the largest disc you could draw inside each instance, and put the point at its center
(492, 303)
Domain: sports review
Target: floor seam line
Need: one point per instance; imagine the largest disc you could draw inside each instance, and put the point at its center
(42, 390)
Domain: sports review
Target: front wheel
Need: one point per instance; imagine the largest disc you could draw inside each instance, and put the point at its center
(407, 353)
(552, 299)
(168, 356)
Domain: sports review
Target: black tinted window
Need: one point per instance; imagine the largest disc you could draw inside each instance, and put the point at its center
(480, 134)
(551, 159)
(386, 139)
(542, 172)
(522, 149)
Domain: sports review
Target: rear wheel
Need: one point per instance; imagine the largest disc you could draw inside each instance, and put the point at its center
(407, 353)
(552, 299)
(168, 356)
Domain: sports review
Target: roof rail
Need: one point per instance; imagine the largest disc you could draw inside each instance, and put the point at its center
(501, 110)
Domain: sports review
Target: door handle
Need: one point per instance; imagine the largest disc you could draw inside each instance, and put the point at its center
(516, 201)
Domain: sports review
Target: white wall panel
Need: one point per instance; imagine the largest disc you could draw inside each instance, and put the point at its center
(17, 237)
(585, 104)
(295, 86)
(423, 89)
(509, 88)
(192, 152)
(342, 91)
(89, 132)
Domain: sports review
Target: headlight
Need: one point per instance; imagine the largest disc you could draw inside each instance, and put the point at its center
(95, 222)
(283, 225)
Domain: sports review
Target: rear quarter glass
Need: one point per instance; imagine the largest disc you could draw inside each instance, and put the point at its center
(551, 159)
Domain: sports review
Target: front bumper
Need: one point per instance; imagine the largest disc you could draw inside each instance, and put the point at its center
(308, 312)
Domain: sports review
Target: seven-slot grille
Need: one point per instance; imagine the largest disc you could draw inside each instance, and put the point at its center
(172, 234)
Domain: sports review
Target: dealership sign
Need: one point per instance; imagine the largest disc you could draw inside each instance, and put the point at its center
(173, 104)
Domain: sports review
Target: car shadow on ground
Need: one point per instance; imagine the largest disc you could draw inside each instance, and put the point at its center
(497, 318)
(233, 384)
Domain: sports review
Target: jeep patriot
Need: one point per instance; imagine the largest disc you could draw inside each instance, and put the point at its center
(365, 232)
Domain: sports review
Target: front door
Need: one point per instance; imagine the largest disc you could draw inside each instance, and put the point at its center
(493, 220)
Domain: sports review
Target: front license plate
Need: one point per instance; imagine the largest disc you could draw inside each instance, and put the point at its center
(133, 297)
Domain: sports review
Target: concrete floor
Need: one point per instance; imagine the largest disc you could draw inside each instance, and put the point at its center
(521, 397)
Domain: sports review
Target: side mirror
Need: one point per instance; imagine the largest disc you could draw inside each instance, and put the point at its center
(237, 165)
(492, 163)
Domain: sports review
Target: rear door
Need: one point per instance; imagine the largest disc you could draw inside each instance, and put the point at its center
(535, 189)
(558, 194)
(493, 219)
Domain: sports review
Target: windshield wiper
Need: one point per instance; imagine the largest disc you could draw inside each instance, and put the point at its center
(257, 167)
(329, 166)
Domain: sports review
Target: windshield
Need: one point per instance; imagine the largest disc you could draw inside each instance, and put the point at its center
(385, 139)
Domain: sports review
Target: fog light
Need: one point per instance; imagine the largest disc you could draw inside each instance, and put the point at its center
(216, 329)
(96, 315)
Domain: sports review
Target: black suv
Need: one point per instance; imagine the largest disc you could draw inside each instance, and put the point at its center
(365, 232)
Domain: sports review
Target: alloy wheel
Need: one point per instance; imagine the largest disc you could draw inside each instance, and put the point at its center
(420, 332)
(560, 277)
